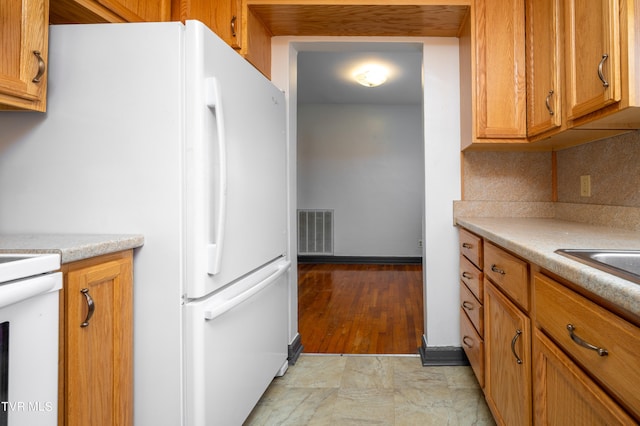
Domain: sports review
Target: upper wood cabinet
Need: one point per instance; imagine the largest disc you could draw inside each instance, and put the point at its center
(493, 72)
(24, 33)
(544, 66)
(224, 17)
(602, 73)
(235, 23)
(581, 72)
(592, 50)
(96, 11)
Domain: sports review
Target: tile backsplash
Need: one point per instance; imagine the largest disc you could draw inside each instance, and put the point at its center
(507, 176)
(614, 167)
(521, 183)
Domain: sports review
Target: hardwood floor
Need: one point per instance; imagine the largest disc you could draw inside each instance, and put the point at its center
(360, 309)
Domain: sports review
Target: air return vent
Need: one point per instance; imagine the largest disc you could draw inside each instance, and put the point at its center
(315, 232)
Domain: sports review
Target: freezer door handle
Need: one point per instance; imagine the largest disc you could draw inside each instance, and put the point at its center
(219, 309)
(213, 99)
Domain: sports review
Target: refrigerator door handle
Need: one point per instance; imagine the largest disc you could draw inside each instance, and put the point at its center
(219, 309)
(213, 100)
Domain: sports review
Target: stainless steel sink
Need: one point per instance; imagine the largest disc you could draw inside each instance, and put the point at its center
(622, 263)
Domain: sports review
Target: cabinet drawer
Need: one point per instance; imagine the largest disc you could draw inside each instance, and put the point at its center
(471, 247)
(472, 307)
(567, 396)
(556, 307)
(473, 346)
(472, 277)
(507, 272)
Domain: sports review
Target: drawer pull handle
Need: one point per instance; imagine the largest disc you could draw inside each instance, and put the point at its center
(91, 307)
(467, 305)
(584, 344)
(497, 270)
(605, 83)
(465, 340)
(513, 346)
(467, 275)
(467, 245)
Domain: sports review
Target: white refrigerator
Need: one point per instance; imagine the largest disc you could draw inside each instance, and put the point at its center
(163, 130)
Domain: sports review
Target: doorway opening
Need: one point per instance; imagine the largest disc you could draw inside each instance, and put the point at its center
(360, 156)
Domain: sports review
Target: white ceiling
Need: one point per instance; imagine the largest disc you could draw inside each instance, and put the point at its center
(325, 73)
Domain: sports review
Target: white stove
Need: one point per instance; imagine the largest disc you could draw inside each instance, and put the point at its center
(17, 266)
(29, 312)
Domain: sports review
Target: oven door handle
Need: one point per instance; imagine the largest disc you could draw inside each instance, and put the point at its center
(20, 290)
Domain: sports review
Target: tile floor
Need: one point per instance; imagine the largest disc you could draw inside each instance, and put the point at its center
(341, 390)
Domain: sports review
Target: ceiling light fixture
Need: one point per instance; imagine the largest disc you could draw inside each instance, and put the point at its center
(371, 75)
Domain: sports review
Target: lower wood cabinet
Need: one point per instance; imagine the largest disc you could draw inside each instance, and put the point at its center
(545, 352)
(602, 344)
(473, 345)
(471, 299)
(508, 359)
(565, 395)
(96, 356)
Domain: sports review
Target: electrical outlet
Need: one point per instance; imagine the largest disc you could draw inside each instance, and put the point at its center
(585, 186)
(419, 243)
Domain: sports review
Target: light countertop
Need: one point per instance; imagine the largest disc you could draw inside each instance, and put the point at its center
(72, 247)
(536, 239)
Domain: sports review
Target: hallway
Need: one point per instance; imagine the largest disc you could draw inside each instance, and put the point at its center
(360, 308)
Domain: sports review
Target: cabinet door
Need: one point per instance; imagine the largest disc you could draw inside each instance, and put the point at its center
(98, 343)
(222, 16)
(500, 69)
(592, 52)
(508, 359)
(24, 29)
(544, 65)
(100, 11)
(565, 395)
(139, 10)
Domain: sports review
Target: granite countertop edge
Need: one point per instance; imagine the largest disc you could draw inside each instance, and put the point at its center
(71, 247)
(536, 239)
